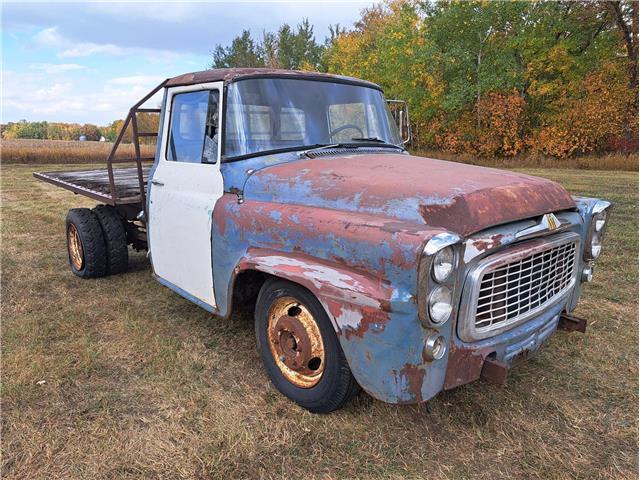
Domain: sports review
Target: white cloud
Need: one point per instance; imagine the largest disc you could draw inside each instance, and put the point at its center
(56, 68)
(51, 38)
(32, 96)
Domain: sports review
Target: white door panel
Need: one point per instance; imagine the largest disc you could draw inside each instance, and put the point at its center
(181, 201)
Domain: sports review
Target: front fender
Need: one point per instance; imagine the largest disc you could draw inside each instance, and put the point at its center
(363, 270)
(332, 284)
(383, 346)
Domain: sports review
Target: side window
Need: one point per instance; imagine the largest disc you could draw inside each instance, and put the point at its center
(193, 129)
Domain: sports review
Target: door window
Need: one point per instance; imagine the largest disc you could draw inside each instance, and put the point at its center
(194, 126)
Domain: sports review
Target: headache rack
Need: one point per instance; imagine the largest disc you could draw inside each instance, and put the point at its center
(113, 186)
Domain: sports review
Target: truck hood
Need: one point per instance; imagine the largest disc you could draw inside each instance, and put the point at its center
(460, 198)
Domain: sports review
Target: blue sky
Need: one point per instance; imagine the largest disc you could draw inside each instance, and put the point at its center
(88, 62)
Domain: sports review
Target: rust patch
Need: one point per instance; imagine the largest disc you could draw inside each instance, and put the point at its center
(464, 366)
(486, 244)
(414, 377)
(373, 319)
(495, 371)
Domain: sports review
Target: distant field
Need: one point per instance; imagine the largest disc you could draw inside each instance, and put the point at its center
(62, 151)
(121, 378)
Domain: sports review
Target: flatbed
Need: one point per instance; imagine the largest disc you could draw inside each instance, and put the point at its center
(96, 184)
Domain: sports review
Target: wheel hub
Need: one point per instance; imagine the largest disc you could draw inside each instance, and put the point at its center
(295, 342)
(76, 254)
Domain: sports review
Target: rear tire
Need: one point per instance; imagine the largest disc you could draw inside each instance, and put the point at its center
(85, 244)
(115, 238)
(285, 312)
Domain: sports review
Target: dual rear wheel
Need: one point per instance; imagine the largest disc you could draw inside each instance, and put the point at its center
(96, 242)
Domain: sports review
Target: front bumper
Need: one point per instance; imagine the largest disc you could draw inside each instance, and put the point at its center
(466, 360)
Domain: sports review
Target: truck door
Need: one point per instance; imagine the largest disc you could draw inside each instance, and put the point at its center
(183, 190)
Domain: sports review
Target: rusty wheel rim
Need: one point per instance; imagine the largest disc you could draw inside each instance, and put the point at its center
(76, 254)
(295, 342)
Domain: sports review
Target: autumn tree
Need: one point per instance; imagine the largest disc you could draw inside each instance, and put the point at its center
(243, 52)
(289, 48)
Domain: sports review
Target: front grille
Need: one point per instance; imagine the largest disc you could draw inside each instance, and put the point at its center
(509, 291)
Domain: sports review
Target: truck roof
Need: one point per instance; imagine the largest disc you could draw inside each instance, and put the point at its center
(228, 75)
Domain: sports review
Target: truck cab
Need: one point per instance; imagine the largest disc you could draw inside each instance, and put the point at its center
(292, 194)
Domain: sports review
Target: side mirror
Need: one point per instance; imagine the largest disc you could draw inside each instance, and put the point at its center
(400, 113)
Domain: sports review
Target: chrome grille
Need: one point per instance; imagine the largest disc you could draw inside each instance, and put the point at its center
(511, 290)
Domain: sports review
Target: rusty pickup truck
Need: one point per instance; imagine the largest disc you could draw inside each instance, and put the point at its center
(292, 193)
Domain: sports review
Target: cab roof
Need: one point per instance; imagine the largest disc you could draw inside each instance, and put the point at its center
(228, 75)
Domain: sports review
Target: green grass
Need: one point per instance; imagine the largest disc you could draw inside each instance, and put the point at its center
(142, 383)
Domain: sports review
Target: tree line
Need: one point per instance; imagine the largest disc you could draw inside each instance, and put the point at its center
(485, 78)
(147, 122)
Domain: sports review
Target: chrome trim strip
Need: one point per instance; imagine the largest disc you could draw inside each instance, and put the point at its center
(439, 241)
(466, 321)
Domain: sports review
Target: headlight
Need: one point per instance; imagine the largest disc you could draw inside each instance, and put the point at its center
(440, 305)
(435, 347)
(599, 217)
(437, 278)
(443, 263)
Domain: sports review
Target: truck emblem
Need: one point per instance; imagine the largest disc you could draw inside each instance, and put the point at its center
(548, 223)
(552, 221)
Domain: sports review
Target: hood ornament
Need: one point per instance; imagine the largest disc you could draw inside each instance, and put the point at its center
(548, 223)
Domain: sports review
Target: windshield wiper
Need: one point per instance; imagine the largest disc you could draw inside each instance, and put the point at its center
(373, 140)
(324, 147)
(376, 140)
(368, 139)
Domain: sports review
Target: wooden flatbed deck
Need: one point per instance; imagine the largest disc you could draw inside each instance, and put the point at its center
(95, 183)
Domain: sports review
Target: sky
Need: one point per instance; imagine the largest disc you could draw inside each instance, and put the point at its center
(89, 62)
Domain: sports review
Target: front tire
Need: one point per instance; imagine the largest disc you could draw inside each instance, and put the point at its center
(85, 244)
(299, 348)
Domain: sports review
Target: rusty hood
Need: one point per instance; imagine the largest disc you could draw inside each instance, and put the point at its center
(458, 197)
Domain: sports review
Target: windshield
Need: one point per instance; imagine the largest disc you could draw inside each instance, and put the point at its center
(266, 114)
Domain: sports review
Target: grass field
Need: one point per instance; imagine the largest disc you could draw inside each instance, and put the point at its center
(121, 378)
(62, 151)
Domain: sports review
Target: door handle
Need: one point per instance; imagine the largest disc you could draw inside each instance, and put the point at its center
(157, 182)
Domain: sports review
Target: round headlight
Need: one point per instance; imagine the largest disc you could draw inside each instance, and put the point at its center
(443, 264)
(596, 245)
(440, 306)
(435, 347)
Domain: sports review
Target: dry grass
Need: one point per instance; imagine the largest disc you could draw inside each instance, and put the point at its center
(62, 151)
(613, 161)
(140, 383)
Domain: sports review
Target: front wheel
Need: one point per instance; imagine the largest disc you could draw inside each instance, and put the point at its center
(299, 348)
